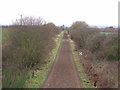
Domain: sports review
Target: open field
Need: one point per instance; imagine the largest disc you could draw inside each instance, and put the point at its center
(107, 33)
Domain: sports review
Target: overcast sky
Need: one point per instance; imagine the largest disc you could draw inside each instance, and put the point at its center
(93, 12)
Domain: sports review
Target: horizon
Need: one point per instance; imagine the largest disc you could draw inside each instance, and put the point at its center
(99, 26)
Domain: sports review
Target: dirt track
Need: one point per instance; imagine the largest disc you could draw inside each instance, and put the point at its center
(63, 73)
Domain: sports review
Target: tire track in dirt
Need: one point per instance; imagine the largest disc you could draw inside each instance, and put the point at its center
(63, 73)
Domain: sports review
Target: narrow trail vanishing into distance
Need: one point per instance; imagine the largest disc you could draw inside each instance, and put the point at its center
(63, 73)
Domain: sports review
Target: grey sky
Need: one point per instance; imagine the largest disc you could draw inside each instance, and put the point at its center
(93, 12)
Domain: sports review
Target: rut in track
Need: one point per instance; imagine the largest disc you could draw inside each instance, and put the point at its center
(63, 73)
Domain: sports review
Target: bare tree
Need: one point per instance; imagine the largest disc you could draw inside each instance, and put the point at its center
(30, 20)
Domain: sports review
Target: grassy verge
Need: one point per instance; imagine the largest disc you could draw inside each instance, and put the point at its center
(41, 74)
(83, 76)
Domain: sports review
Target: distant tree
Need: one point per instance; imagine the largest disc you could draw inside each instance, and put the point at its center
(51, 24)
(79, 24)
(30, 20)
(111, 27)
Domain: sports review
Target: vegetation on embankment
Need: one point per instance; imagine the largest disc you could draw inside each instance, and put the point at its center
(81, 71)
(41, 72)
(24, 49)
(98, 52)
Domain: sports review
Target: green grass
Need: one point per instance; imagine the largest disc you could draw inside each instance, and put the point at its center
(4, 35)
(83, 76)
(17, 82)
(106, 33)
(40, 75)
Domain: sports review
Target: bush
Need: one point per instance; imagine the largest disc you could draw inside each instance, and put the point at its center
(23, 48)
(29, 45)
(103, 47)
(100, 46)
(81, 35)
(110, 47)
(100, 51)
(94, 44)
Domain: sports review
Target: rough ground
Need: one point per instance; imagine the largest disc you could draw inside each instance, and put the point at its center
(63, 73)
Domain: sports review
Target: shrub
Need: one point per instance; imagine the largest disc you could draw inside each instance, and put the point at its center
(81, 35)
(110, 47)
(94, 44)
(100, 51)
(103, 46)
(28, 45)
(100, 46)
(22, 49)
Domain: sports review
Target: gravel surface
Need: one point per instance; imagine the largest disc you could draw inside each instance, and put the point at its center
(63, 73)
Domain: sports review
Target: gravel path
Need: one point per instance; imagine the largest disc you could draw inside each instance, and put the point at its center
(63, 73)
